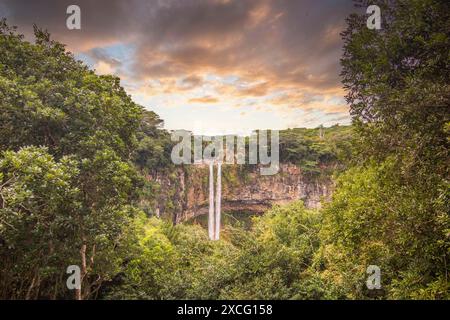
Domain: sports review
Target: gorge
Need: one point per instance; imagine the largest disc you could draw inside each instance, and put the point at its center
(184, 192)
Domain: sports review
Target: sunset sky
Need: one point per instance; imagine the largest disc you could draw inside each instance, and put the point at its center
(214, 67)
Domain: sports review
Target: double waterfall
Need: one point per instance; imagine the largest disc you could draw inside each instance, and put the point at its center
(214, 216)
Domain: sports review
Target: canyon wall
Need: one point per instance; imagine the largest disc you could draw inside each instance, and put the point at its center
(183, 193)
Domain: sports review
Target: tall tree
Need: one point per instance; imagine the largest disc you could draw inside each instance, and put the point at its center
(393, 209)
(47, 98)
(397, 79)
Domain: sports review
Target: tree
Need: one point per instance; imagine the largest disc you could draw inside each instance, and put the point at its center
(37, 233)
(375, 219)
(47, 98)
(397, 83)
(275, 257)
(392, 208)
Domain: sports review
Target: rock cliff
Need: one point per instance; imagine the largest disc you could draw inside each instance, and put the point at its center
(183, 193)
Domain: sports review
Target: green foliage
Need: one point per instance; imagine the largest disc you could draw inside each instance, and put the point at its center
(375, 219)
(154, 144)
(172, 262)
(392, 209)
(398, 83)
(317, 151)
(48, 98)
(275, 255)
(270, 261)
(38, 205)
(70, 202)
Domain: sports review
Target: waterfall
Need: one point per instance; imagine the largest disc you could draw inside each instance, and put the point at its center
(218, 199)
(214, 217)
(211, 202)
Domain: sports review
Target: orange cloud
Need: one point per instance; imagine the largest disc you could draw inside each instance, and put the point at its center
(204, 100)
(281, 55)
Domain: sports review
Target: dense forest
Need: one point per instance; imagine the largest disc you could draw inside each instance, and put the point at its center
(75, 150)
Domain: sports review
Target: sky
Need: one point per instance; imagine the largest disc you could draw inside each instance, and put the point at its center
(211, 66)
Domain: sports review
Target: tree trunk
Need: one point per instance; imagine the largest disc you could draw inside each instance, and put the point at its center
(78, 295)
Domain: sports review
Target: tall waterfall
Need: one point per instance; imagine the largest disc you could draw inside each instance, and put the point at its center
(214, 217)
(211, 202)
(218, 200)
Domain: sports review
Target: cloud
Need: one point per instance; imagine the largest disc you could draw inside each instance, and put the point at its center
(285, 42)
(282, 54)
(191, 81)
(204, 100)
(103, 68)
(101, 54)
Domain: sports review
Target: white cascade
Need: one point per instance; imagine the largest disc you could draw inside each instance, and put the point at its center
(218, 200)
(211, 202)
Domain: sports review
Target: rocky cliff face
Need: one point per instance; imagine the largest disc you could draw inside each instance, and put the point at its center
(184, 193)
